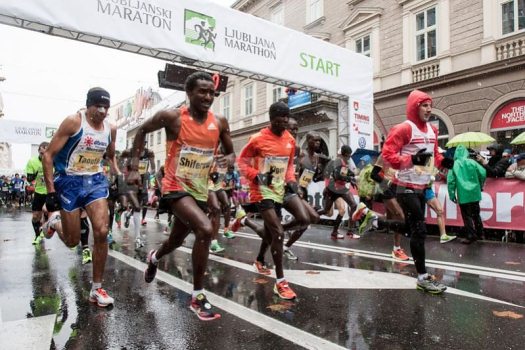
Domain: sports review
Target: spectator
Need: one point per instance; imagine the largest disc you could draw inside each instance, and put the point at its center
(517, 170)
(497, 164)
(466, 179)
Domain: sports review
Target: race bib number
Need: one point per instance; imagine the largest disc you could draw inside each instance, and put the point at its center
(277, 167)
(306, 177)
(194, 163)
(87, 162)
(143, 166)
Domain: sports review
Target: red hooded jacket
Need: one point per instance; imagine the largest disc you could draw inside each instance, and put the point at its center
(401, 134)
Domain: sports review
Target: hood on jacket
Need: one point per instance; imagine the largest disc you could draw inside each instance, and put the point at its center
(415, 98)
(461, 153)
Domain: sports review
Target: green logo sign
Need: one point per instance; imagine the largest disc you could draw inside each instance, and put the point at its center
(199, 29)
(50, 132)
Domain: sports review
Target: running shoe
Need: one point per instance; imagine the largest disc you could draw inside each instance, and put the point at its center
(215, 248)
(353, 235)
(399, 254)
(100, 297)
(241, 214)
(38, 238)
(369, 222)
(284, 291)
(290, 255)
(446, 238)
(203, 309)
(110, 237)
(86, 256)
(228, 234)
(359, 212)
(143, 222)
(431, 285)
(48, 227)
(337, 235)
(261, 268)
(151, 269)
(139, 243)
(126, 220)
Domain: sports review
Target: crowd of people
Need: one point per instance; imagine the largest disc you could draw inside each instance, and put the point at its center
(16, 191)
(79, 177)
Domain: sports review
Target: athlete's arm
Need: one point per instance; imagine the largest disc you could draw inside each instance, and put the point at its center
(167, 119)
(151, 158)
(110, 152)
(290, 170)
(67, 128)
(226, 141)
(399, 136)
(246, 159)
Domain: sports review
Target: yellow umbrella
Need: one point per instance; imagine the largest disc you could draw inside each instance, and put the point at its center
(470, 139)
(518, 140)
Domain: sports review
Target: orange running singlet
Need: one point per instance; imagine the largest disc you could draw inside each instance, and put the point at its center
(190, 156)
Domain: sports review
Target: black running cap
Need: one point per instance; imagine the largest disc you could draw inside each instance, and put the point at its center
(97, 96)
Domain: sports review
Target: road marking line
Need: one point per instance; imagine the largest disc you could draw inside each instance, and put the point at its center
(267, 323)
(466, 268)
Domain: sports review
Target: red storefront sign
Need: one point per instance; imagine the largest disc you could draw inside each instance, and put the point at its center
(511, 115)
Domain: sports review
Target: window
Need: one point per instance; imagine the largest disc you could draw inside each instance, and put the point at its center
(158, 164)
(151, 139)
(159, 137)
(314, 10)
(426, 34)
(509, 21)
(362, 45)
(226, 106)
(277, 15)
(277, 93)
(442, 130)
(248, 99)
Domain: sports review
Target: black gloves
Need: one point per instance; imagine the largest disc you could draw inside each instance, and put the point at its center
(291, 187)
(377, 174)
(53, 202)
(421, 157)
(447, 163)
(264, 179)
(214, 177)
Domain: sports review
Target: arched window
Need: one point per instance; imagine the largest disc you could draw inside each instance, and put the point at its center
(442, 130)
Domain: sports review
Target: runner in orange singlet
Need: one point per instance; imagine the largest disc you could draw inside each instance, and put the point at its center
(192, 134)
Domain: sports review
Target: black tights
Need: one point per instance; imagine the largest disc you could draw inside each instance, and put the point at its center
(413, 204)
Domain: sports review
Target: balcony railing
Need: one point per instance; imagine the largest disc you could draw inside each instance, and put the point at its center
(509, 48)
(424, 72)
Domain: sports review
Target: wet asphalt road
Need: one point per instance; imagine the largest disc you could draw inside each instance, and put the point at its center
(351, 294)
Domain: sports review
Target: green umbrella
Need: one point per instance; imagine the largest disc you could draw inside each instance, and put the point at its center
(470, 139)
(518, 140)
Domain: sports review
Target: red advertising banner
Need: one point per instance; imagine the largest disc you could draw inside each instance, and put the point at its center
(502, 205)
(510, 115)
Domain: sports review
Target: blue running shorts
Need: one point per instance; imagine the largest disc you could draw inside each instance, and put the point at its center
(78, 191)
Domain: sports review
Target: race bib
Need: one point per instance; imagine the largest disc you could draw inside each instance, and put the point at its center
(276, 166)
(143, 166)
(194, 163)
(306, 177)
(87, 162)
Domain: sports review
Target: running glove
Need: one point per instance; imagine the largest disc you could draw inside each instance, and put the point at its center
(421, 157)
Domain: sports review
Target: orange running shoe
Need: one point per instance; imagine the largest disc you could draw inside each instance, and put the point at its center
(261, 268)
(284, 291)
(399, 254)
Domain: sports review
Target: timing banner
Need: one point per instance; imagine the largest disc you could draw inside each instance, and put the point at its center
(361, 124)
(205, 31)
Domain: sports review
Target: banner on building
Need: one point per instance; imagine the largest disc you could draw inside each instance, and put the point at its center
(14, 131)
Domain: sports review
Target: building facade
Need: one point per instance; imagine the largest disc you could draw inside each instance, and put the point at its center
(469, 55)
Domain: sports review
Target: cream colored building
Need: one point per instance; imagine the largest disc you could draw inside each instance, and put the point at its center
(469, 55)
